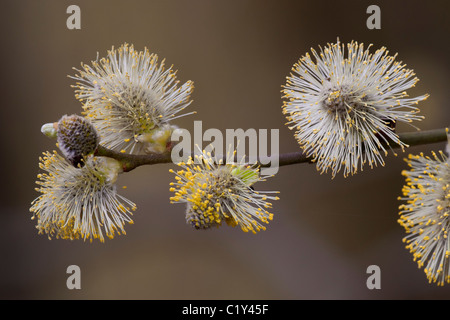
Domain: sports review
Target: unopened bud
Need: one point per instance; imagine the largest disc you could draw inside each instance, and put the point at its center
(109, 168)
(158, 140)
(77, 138)
(248, 175)
(49, 129)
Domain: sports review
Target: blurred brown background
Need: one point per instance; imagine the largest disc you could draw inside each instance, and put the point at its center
(325, 232)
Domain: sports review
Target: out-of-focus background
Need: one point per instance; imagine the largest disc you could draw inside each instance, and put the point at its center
(325, 232)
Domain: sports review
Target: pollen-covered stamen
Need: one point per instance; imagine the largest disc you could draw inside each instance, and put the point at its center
(143, 108)
(80, 202)
(216, 192)
(128, 94)
(343, 105)
(425, 214)
(336, 99)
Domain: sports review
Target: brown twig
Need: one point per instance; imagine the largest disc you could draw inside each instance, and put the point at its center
(131, 162)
